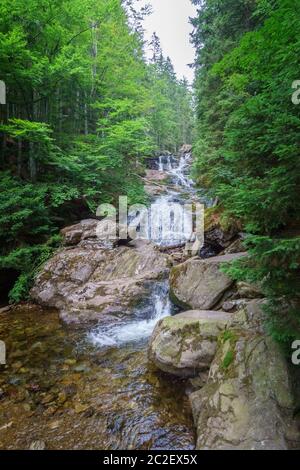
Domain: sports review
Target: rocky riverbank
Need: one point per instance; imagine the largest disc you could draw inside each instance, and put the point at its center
(243, 390)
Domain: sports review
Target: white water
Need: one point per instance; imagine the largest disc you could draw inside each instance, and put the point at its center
(164, 230)
(158, 304)
(158, 307)
(179, 172)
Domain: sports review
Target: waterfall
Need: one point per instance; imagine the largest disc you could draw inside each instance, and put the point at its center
(169, 225)
(179, 173)
(165, 163)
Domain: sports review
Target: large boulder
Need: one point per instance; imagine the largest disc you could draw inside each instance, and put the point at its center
(74, 234)
(156, 176)
(186, 343)
(199, 284)
(89, 231)
(247, 402)
(186, 148)
(89, 283)
(154, 190)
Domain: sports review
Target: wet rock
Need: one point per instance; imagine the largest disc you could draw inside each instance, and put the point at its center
(185, 344)
(93, 232)
(236, 247)
(186, 148)
(88, 284)
(74, 234)
(37, 445)
(156, 176)
(199, 284)
(247, 402)
(154, 190)
(249, 291)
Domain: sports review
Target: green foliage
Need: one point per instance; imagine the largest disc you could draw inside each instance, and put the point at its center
(274, 264)
(82, 113)
(248, 147)
(172, 116)
(27, 262)
(228, 359)
(228, 335)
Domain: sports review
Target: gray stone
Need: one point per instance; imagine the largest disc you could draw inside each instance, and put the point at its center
(249, 291)
(88, 283)
(199, 284)
(37, 445)
(186, 343)
(247, 402)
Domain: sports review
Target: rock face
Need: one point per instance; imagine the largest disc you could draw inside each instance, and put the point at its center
(104, 232)
(199, 284)
(154, 190)
(89, 283)
(186, 148)
(186, 343)
(76, 233)
(156, 175)
(247, 402)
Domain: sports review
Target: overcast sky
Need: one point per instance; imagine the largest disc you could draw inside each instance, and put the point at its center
(170, 20)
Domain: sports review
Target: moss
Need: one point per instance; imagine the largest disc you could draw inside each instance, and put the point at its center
(232, 338)
(228, 335)
(228, 359)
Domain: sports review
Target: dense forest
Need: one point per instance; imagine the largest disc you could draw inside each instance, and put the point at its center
(247, 149)
(84, 109)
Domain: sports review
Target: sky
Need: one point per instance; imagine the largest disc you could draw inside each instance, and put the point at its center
(170, 21)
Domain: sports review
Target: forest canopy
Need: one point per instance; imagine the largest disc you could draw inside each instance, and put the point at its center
(84, 109)
(247, 149)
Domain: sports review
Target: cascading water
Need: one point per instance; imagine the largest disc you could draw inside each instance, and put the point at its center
(169, 224)
(179, 172)
(158, 306)
(165, 162)
(163, 231)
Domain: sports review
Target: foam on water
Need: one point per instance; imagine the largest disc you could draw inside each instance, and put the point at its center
(158, 306)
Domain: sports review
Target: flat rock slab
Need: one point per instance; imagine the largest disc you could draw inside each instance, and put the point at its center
(198, 283)
(186, 343)
(88, 283)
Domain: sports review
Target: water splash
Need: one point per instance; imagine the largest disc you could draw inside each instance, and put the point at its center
(158, 306)
(179, 173)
